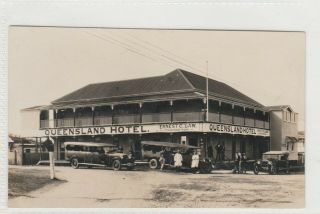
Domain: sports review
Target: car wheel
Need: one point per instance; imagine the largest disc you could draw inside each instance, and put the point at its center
(116, 165)
(153, 164)
(75, 163)
(208, 168)
(256, 169)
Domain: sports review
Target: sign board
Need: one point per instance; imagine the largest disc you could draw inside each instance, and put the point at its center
(231, 129)
(157, 128)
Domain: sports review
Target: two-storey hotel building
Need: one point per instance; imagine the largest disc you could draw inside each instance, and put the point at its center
(168, 108)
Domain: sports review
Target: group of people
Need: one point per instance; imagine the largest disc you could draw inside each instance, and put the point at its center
(178, 159)
(240, 162)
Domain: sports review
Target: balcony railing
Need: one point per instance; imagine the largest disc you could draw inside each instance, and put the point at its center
(249, 122)
(238, 120)
(126, 119)
(156, 117)
(103, 120)
(84, 121)
(66, 122)
(187, 116)
(260, 124)
(47, 124)
(164, 117)
(225, 118)
(266, 125)
(44, 124)
(214, 117)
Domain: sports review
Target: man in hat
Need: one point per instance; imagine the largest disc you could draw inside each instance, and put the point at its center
(218, 149)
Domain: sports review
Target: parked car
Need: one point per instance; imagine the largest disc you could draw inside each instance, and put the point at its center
(272, 162)
(93, 154)
(150, 151)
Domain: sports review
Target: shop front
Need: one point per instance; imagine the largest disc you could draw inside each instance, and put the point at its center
(252, 141)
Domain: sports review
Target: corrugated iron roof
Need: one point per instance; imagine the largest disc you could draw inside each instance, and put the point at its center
(177, 81)
(218, 88)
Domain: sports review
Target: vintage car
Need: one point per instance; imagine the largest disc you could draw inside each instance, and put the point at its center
(272, 162)
(150, 151)
(93, 154)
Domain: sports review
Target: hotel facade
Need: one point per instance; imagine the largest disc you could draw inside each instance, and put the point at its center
(168, 108)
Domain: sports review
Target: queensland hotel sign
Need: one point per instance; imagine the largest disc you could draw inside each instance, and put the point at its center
(157, 128)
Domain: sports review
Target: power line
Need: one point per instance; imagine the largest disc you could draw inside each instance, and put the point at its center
(128, 48)
(133, 49)
(159, 49)
(171, 59)
(159, 54)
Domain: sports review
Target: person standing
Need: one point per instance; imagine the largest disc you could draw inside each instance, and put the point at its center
(162, 159)
(218, 149)
(195, 162)
(222, 151)
(243, 163)
(239, 159)
(178, 160)
(237, 163)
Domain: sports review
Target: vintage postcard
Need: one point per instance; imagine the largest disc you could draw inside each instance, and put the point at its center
(139, 104)
(156, 118)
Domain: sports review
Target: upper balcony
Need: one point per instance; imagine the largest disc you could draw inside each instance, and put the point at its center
(150, 113)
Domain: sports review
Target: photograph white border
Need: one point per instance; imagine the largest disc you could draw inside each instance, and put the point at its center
(266, 15)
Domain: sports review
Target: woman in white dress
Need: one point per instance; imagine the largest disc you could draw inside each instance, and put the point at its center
(195, 162)
(178, 160)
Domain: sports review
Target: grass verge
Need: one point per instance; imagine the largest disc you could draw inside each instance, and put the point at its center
(23, 180)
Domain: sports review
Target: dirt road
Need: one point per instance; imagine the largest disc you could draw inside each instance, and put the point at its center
(94, 188)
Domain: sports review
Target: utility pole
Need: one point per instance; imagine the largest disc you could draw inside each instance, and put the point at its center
(207, 90)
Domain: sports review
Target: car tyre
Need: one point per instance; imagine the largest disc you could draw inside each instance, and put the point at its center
(207, 168)
(153, 164)
(116, 165)
(255, 169)
(75, 163)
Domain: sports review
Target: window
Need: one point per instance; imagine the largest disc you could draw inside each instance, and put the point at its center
(93, 149)
(152, 148)
(74, 148)
(292, 145)
(110, 148)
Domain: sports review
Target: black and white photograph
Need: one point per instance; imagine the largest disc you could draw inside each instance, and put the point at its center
(155, 118)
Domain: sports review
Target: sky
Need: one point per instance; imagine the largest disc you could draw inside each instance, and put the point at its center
(46, 63)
